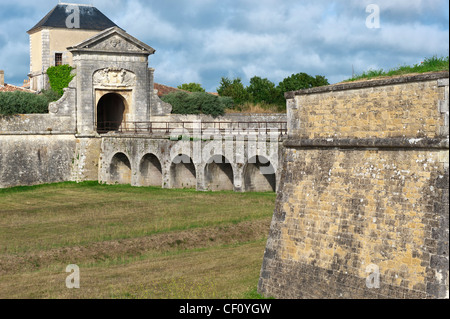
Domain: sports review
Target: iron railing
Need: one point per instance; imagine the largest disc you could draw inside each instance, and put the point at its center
(247, 127)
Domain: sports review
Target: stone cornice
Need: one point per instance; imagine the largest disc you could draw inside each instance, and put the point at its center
(385, 143)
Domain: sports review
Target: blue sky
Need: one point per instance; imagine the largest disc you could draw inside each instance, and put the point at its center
(204, 40)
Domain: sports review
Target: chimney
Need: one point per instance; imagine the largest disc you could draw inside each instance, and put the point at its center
(2, 78)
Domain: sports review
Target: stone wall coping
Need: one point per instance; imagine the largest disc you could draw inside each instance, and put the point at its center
(395, 143)
(430, 76)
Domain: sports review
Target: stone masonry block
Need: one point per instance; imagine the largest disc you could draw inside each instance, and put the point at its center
(443, 106)
(443, 82)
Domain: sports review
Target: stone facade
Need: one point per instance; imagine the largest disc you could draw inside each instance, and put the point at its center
(362, 208)
(111, 62)
(55, 32)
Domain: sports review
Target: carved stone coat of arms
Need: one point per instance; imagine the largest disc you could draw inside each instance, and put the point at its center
(114, 77)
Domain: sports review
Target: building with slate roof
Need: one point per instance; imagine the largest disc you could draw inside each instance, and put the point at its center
(64, 26)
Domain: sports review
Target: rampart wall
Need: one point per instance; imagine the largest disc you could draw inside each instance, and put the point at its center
(362, 208)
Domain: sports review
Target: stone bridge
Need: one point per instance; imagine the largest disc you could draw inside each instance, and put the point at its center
(217, 162)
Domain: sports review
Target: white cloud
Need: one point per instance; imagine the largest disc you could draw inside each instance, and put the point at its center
(175, 68)
(229, 42)
(203, 40)
(142, 21)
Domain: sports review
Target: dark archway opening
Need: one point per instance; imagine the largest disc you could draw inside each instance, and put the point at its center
(182, 172)
(150, 171)
(120, 169)
(110, 113)
(219, 174)
(259, 175)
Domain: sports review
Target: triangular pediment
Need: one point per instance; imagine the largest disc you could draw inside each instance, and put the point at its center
(113, 40)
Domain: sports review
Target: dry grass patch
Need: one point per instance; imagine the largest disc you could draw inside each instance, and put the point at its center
(210, 273)
(131, 242)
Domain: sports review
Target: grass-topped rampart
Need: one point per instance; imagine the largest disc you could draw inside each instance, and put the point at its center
(433, 64)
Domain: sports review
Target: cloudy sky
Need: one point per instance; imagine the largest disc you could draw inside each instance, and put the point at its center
(204, 40)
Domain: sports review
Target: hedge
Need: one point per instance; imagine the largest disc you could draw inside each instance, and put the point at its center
(198, 103)
(22, 103)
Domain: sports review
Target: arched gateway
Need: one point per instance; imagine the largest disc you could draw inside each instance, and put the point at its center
(110, 112)
(114, 83)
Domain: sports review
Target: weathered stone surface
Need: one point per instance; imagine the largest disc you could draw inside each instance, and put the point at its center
(36, 159)
(403, 109)
(111, 62)
(442, 77)
(345, 210)
(364, 182)
(37, 124)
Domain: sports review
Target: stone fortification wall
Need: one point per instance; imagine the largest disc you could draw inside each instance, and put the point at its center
(61, 118)
(362, 208)
(39, 148)
(35, 159)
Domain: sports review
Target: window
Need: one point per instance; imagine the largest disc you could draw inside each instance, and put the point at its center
(58, 59)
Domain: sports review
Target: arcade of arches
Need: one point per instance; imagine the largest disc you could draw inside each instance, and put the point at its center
(258, 174)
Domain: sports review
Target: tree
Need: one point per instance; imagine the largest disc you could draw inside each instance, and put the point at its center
(301, 81)
(263, 91)
(191, 87)
(321, 81)
(225, 83)
(234, 89)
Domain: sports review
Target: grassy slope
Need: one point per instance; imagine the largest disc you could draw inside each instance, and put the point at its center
(131, 242)
(434, 64)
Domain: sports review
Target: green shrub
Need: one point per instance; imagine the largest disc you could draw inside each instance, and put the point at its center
(191, 87)
(22, 103)
(60, 77)
(180, 103)
(301, 81)
(227, 102)
(51, 95)
(197, 103)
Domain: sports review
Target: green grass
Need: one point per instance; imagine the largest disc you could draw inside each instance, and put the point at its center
(131, 242)
(433, 64)
(253, 294)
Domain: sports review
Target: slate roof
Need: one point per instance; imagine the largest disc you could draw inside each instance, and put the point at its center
(90, 18)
